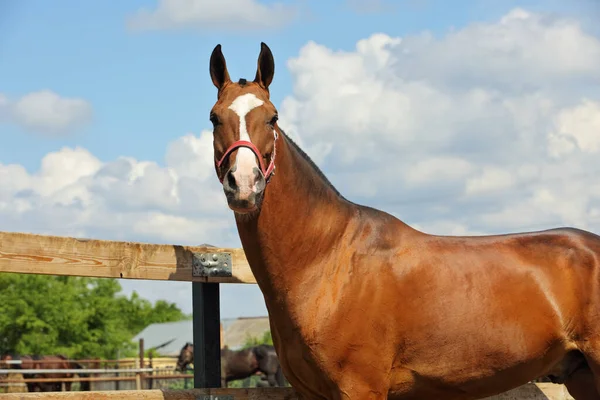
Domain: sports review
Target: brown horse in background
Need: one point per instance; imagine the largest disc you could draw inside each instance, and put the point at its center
(362, 306)
(49, 362)
(240, 364)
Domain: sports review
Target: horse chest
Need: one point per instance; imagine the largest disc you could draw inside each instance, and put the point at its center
(302, 369)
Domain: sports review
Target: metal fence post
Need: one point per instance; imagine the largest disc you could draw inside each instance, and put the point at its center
(207, 341)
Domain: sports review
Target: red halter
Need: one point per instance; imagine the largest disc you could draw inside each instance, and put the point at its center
(267, 172)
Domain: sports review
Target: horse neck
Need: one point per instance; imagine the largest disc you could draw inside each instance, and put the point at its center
(301, 219)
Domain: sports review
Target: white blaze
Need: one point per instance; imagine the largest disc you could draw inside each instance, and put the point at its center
(245, 160)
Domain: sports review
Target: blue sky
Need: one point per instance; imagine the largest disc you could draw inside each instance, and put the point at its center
(149, 88)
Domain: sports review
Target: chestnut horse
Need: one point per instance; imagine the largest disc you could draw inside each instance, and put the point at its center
(240, 364)
(363, 306)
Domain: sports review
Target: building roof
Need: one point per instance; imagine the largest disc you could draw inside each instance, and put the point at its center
(238, 331)
(168, 338)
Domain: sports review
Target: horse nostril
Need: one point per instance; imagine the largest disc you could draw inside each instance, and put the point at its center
(231, 180)
(259, 180)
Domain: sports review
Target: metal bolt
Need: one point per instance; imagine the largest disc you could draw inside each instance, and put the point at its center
(215, 257)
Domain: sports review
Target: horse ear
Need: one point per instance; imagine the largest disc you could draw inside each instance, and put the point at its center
(266, 67)
(218, 68)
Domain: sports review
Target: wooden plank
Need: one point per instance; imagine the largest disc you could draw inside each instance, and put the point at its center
(57, 255)
(162, 394)
(531, 391)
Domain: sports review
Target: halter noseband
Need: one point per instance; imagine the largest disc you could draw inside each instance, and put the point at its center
(268, 171)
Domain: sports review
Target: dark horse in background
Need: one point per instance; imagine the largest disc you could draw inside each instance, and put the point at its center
(240, 364)
(49, 362)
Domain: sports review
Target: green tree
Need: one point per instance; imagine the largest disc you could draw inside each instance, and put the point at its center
(139, 311)
(75, 316)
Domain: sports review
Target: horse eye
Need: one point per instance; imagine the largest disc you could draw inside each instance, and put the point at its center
(273, 120)
(214, 119)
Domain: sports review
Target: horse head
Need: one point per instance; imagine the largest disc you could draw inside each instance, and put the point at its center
(186, 356)
(245, 131)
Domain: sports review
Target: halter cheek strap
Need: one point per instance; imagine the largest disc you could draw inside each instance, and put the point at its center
(267, 172)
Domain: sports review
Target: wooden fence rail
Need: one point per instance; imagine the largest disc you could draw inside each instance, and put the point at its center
(541, 391)
(95, 379)
(56, 255)
(80, 361)
(162, 394)
(75, 371)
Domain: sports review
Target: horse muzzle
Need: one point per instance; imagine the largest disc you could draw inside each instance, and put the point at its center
(242, 190)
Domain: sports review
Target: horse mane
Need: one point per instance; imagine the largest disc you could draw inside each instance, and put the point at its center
(307, 158)
(186, 345)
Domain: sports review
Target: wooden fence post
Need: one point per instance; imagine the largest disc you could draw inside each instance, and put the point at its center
(150, 365)
(140, 375)
(207, 343)
(117, 368)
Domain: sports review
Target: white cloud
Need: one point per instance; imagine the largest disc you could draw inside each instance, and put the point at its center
(157, 202)
(492, 127)
(4, 107)
(447, 227)
(576, 126)
(502, 54)
(491, 178)
(434, 169)
(46, 112)
(239, 15)
(75, 194)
